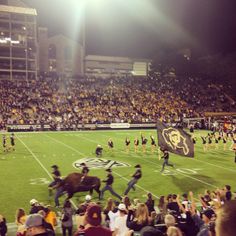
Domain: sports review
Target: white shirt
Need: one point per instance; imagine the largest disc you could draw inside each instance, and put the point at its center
(112, 217)
(120, 224)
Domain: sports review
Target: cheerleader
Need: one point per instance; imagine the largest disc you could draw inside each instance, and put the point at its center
(4, 143)
(209, 141)
(194, 140)
(153, 143)
(144, 142)
(204, 143)
(136, 143)
(127, 144)
(224, 139)
(216, 142)
(233, 146)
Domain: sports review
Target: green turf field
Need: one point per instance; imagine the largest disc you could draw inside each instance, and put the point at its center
(25, 173)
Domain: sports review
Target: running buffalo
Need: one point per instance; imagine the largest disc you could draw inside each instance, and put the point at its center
(72, 184)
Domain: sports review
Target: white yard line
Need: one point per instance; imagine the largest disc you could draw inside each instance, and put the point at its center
(83, 155)
(40, 163)
(36, 159)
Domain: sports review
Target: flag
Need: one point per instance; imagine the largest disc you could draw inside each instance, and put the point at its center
(175, 140)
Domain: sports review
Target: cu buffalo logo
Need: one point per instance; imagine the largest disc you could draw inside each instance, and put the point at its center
(175, 140)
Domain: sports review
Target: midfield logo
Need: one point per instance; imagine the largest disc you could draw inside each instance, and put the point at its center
(99, 163)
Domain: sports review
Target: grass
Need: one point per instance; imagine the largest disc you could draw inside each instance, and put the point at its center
(25, 173)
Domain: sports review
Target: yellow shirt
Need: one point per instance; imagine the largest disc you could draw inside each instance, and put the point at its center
(51, 218)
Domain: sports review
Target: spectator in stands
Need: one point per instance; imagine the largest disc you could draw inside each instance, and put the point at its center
(150, 231)
(66, 219)
(174, 205)
(64, 105)
(150, 203)
(47, 225)
(185, 202)
(3, 226)
(109, 207)
(173, 231)
(20, 221)
(203, 223)
(120, 228)
(88, 199)
(228, 194)
(169, 220)
(35, 207)
(226, 218)
(93, 219)
(139, 218)
(161, 210)
(51, 217)
(35, 226)
(112, 215)
(126, 201)
(80, 215)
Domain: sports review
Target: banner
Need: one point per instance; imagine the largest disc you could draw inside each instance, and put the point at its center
(119, 125)
(175, 140)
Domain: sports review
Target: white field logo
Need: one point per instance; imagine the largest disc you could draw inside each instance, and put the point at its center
(99, 163)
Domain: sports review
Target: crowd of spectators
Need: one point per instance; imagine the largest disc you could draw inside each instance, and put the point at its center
(213, 213)
(67, 103)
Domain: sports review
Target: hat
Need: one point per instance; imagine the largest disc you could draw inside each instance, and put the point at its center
(54, 166)
(93, 215)
(108, 170)
(88, 198)
(33, 201)
(138, 166)
(34, 220)
(208, 213)
(122, 207)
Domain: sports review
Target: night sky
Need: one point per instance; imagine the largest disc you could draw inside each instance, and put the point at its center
(142, 27)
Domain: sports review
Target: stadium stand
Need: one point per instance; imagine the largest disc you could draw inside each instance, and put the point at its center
(68, 103)
(192, 216)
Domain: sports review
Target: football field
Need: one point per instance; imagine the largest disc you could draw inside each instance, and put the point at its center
(25, 172)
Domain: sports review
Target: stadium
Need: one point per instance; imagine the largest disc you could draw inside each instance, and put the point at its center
(115, 122)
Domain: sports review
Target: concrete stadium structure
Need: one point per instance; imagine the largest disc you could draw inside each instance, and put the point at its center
(18, 42)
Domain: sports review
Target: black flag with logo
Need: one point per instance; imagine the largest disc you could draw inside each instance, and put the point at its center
(175, 140)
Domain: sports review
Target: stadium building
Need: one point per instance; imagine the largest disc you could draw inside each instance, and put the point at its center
(18, 41)
(106, 66)
(59, 55)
